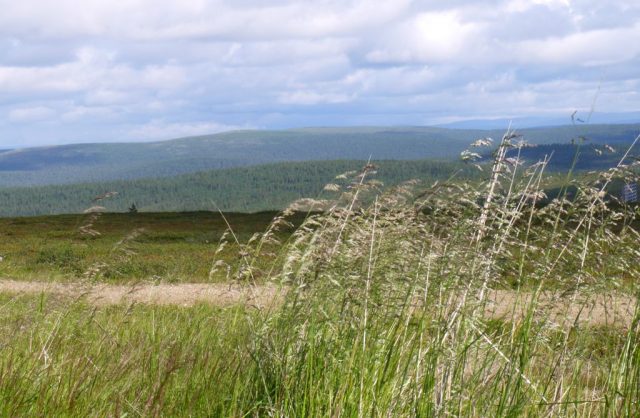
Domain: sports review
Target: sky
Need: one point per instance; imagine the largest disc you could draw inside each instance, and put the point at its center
(140, 70)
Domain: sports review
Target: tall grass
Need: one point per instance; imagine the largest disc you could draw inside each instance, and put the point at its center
(391, 310)
(71, 359)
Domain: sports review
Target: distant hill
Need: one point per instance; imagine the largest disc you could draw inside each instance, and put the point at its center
(274, 186)
(120, 161)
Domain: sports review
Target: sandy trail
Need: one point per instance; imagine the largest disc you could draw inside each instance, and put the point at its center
(603, 309)
(595, 310)
(184, 294)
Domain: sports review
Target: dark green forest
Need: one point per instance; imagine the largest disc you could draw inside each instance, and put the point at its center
(247, 189)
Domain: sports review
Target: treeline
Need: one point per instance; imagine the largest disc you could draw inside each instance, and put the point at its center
(247, 189)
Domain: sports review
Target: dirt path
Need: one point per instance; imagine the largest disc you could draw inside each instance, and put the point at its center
(604, 309)
(161, 294)
(600, 310)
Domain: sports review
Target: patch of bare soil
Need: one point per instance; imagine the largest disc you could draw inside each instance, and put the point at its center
(161, 294)
(603, 309)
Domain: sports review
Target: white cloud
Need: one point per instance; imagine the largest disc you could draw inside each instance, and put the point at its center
(170, 19)
(90, 70)
(79, 113)
(524, 5)
(596, 47)
(427, 37)
(30, 114)
(312, 98)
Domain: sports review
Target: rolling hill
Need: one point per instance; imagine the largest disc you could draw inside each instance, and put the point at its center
(83, 163)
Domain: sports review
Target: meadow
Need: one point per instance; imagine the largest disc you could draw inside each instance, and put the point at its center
(450, 298)
(167, 247)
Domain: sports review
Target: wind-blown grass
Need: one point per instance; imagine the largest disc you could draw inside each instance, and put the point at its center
(387, 312)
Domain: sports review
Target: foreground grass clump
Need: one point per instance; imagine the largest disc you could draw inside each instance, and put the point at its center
(73, 359)
(389, 311)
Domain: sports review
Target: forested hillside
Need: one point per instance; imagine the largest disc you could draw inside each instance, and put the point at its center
(99, 162)
(245, 189)
(588, 156)
(274, 186)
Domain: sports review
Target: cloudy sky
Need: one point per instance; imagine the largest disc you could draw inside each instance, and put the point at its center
(104, 70)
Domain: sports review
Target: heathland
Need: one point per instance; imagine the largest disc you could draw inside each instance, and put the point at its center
(509, 293)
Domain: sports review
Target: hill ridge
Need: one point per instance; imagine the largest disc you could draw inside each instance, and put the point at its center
(91, 162)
